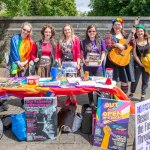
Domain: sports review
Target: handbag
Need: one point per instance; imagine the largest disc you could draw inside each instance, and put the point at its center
(146, 62)
(67, 56)
(19, 125)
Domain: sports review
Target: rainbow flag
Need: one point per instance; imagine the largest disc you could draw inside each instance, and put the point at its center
(20, 50)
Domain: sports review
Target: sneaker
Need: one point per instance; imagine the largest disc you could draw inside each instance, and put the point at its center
(142, 99)
(130, 95)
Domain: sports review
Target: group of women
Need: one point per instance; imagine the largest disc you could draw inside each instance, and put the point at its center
(47, 51)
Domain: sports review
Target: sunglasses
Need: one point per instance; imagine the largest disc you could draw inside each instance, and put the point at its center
(26, 30)
(91, 31)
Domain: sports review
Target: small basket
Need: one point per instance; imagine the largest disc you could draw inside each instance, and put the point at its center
(33, 80)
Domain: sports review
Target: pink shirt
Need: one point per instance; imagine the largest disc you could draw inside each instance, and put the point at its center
(46, 49)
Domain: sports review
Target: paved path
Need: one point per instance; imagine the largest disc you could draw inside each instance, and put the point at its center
(71, 141)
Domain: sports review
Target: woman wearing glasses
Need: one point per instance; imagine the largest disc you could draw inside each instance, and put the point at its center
(93, 54)
(21, 46)
(43, 56)
(119, 54)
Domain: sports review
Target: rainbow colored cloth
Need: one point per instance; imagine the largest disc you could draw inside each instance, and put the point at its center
(20, 50)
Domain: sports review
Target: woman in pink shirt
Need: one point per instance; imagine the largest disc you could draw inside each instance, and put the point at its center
(44, 54)
(68, 49)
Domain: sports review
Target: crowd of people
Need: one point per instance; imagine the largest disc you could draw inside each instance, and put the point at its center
(120, 51)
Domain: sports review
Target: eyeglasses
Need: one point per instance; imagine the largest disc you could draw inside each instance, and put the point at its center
(26, 30)
(91, 31)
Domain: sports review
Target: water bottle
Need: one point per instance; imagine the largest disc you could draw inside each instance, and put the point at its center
(59, 70)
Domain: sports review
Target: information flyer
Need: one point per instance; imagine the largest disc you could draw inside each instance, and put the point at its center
(142, 125)
(41, 118)
(112, 119)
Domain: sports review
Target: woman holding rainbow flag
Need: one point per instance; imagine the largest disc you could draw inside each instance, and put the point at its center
(21, 46)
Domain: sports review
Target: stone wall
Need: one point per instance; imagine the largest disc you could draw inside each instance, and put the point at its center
(10, 26)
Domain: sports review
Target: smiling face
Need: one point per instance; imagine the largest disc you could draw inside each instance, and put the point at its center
(47, 34)
(140, 33)
(67, 31)
(117, 26)
(25, 31)
(91, 33)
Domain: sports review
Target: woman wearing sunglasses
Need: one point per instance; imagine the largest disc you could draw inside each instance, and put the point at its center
(93, 54)
(21, 46)
(118, 56)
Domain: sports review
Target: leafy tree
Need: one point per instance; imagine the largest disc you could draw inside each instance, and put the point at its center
(119, 8)
(40, 7)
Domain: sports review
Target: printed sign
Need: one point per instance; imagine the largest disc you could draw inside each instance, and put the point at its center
(41, 117)
(112, 119)
(70, 68)
(142, 125)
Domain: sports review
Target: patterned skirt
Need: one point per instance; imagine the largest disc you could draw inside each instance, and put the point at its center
(43, 67)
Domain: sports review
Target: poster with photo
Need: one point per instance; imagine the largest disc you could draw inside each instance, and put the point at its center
(142, 125)
(93, 59)
(41, 118)
(69, 68)
(112, 119)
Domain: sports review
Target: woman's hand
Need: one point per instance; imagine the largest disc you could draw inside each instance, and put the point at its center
(21, 66)
(36, 59)
(141, 65)
(133, 30)
(120, 46)
(78, 66)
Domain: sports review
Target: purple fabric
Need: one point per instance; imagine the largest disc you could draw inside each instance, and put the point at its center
(95, 49)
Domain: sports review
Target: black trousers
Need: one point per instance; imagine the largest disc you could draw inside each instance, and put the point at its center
(145, 79)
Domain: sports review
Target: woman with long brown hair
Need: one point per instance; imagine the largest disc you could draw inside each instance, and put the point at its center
(93, 46)
(141, 49)
(44, 54)
(123, 73)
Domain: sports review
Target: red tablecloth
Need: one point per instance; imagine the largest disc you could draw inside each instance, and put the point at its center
(32, 91)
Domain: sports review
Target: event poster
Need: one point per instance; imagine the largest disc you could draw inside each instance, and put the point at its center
(41, 118)
(112, 119)
(142, 125)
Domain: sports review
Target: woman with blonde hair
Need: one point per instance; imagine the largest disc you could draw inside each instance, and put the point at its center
(68, 50)
(21, 46)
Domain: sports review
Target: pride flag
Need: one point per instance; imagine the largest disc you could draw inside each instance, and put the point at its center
(20, 50)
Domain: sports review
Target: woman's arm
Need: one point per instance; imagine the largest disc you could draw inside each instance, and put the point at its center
(136, 58)
(58, 53)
